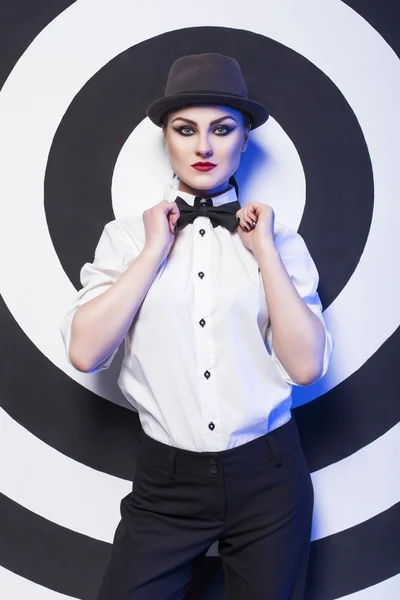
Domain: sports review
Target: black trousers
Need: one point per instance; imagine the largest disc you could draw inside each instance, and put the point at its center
(256, 500)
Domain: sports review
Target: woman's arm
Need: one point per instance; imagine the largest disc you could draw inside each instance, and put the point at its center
(114, 286)
(300, 344)
(298, 334)
(99, 326)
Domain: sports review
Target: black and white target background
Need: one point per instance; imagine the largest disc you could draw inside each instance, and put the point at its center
(77, 150)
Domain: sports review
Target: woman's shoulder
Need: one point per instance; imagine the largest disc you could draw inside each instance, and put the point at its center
(130, 223)
(131, 226)
(291, 244)
(282, 231)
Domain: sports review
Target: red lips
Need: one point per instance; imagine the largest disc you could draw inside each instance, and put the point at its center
(203, 166)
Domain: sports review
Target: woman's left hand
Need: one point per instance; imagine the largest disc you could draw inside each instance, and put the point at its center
(259, 219)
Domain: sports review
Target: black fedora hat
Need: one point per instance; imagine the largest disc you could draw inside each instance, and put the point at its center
(209, 78)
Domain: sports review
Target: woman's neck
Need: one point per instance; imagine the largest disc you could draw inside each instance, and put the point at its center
(221, 189)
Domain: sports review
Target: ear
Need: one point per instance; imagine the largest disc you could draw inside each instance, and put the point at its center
(246, 137)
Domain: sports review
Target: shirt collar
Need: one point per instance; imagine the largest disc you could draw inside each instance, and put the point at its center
(171, 192)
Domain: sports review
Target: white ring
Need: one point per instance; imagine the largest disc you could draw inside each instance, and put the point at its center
(38, 92)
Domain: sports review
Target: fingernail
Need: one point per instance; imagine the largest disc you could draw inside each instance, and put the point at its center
(246, 228)
(238, 219)
(175, 228)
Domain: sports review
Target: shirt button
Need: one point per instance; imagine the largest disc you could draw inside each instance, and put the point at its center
(211, 426)
(213, 461)
(201, 274)
(202, 322)
(207, 374)
(202, 232)
(214, 470)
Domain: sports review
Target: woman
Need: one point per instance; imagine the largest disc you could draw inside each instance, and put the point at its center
(219, 310)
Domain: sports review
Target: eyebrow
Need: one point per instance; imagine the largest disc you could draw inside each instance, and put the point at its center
(211, 123)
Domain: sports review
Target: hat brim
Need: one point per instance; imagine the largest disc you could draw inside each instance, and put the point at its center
(258, 113)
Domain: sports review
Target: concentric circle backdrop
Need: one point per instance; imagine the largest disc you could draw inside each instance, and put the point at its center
(77, 151)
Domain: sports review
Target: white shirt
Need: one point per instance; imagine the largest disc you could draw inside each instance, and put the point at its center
(199, 363)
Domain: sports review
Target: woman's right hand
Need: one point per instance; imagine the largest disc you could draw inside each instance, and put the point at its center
(159, 222)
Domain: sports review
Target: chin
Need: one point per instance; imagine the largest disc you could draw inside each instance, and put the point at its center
(203, 181)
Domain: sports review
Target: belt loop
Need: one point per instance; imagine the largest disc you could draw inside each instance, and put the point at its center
(172, 455)
(275, 449)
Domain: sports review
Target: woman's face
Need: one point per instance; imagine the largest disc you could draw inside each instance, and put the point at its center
(205, 133)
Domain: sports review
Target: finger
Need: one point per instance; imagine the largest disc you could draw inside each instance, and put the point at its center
(170, 207)
(238, 216)
(252, 214)
(174, 208)
(242, 224)
(172, 224)
(257, 207)
(169, 215)
(249, 218)
(253, 210)
(173, 213)
(244, 220)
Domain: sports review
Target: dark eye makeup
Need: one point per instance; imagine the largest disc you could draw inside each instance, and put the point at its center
(180, 130)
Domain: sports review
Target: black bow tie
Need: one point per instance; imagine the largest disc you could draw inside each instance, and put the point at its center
(224, 214)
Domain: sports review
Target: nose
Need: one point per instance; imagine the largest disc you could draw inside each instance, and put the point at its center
(204, 146)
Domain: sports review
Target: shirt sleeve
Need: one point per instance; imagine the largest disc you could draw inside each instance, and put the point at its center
(114, 252)
(304, 275)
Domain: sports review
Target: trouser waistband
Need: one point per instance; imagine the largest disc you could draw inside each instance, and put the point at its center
(268, 447)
